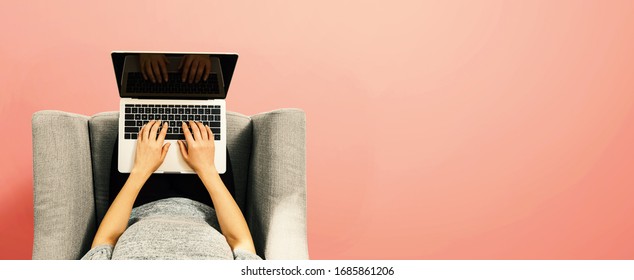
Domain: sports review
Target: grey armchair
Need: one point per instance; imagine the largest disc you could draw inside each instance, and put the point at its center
(71, 165)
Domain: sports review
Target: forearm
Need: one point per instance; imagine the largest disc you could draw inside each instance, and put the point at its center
(232, 223)
(116, 219)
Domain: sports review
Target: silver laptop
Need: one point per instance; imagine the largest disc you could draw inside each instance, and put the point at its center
(151, 87)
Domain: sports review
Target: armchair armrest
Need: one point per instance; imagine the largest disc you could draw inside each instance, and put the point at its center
(276, 194)
(63, 200)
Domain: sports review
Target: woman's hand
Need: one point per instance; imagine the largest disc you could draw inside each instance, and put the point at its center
(200, 149)
(150, 151)
(154, 67)
(195, 67)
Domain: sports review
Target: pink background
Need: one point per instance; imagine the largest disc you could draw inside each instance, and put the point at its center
(436, 129)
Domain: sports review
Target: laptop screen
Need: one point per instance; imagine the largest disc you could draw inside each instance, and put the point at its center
(174, 75)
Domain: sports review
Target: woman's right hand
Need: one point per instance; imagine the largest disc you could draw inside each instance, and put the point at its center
(198, 149)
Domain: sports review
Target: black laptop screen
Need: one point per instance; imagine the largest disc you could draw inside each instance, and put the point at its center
(173, 75)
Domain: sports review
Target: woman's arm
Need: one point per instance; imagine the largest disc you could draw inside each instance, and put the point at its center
(150, 153)
(199, 154)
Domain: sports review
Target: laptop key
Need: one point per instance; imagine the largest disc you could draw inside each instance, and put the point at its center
(171, 136)
(216, 137)
(214, 124)
(137, 117)
(133, 135)
(130, 123)
(129, 116)
(215, 111)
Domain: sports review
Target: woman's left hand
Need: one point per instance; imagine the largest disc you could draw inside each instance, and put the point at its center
(150, 151)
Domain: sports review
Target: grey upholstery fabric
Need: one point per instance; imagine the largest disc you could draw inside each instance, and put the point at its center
(103, 133)
(239, 136)
(276, 195)
(71, 163)
(63, 201)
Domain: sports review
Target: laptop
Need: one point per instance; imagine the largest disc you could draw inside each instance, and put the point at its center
(146, 95)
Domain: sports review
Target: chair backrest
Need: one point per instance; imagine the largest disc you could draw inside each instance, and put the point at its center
(103, 132)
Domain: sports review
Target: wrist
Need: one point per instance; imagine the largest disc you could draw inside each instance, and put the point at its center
(140, 174)
(206, 170)
(207, 173)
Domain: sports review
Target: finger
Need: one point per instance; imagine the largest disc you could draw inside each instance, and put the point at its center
(195, 130)
(188, 135)
(163, 69)
(188, 62)
(192, 72)
(181, 146)
(166, 148)
(203, 131)
(141, 133)
(180, 64)
(161, 136)
(154, 131)
(148, 69)
(211, 134)
(207, 71)
(146, 130)
(143, 70)
(157, 71)
(199, 73)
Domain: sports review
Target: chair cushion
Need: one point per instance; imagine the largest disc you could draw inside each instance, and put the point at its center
(103, 133)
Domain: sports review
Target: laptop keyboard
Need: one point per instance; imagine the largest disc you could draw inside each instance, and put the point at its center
(136, 115)
(174, 84)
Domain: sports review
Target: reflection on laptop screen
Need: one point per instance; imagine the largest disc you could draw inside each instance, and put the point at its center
(173, 75)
